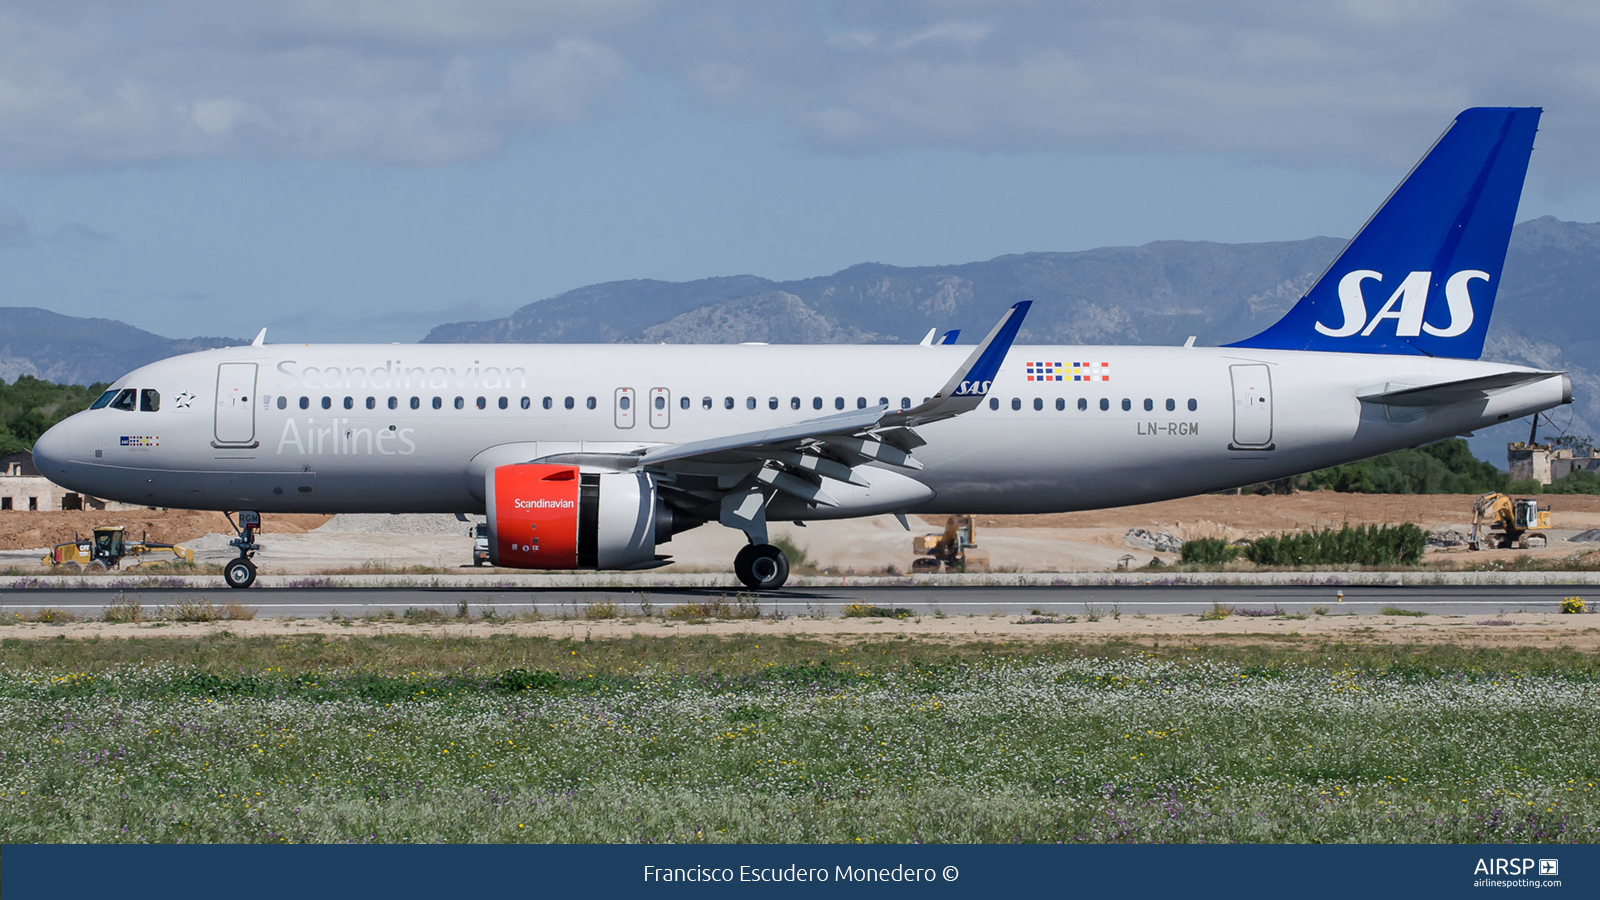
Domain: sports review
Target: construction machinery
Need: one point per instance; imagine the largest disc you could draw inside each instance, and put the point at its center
(955, 550)
(480, 543)
(1499, 521)
(107, 549)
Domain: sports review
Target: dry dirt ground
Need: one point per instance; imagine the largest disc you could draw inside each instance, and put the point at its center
(27, 530)
(1066, 542)
(1547, 630)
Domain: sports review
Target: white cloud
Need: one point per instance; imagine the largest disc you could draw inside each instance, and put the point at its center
(435, 81)
(409, 82)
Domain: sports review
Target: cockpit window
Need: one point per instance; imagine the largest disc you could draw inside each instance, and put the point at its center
(149, 400)
(126, 399)
(103, 399)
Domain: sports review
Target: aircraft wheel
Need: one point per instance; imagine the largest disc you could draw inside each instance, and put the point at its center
(97, 567)
(241, 573)
(761, 567)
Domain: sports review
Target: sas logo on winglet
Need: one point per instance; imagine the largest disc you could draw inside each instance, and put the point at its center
(973, 388)
(1411, 296)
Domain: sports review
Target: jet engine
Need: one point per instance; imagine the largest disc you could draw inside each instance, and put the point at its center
(557, 517)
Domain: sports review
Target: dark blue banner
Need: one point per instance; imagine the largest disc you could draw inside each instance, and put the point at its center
(502, 871)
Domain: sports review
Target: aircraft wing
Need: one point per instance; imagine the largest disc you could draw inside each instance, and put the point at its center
(1455, 391)
(795, 459)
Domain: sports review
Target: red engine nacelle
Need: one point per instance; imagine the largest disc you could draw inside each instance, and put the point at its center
(555, 517)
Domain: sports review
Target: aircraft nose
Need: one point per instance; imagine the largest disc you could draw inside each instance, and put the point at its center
(52, 452)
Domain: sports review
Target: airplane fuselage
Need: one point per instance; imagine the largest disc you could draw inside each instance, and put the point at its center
(414, 428)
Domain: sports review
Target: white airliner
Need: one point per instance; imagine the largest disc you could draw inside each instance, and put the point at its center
(590, 457)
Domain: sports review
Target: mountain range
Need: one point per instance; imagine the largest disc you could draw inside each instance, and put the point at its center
(1158, 293)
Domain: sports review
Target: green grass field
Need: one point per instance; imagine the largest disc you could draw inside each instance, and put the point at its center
(404, 738)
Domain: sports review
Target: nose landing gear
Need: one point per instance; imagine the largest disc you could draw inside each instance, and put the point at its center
(241, 572)
(761, 567)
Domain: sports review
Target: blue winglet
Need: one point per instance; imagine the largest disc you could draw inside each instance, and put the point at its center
(967, 387)
(1434, 249)
(950, 337)
(980, 373)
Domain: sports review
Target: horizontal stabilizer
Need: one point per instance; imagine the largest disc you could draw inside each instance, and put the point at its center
(1455, 391)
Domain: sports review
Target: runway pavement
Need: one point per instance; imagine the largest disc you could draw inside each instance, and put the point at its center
(309, 603)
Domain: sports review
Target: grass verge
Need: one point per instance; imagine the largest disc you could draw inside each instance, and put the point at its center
(412, 738)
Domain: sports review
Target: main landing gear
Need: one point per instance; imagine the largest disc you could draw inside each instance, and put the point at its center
(241, 572)
(761, 567)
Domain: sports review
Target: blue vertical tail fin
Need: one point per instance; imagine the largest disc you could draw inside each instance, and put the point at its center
(1420, 277)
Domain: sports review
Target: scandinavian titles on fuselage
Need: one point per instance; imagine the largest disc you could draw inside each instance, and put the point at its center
(394, 374)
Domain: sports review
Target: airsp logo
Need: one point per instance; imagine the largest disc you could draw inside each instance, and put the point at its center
(1411, 297)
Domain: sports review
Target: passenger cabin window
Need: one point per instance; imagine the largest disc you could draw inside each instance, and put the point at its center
(349, 403)
(1083, 403)
(1191, 404)
(1126, 404)
(905, 402)
(772, 403)
(283, 402)
(125, 400)
(838, 403)
(1171, 404)
(727, 403)
(372, 403)
(569, 403)
(816, 402)
(861, 403)
(794, 402)
(394, 402)
(416, 402)
(661, 402)
(994, 402)
(482, 403)
(1038, 404)
(103, 400)
(549, 402)
(438, 403)
(305, 402)
(504, 403)
(683, 403)
(749, 403)
(327, 403)
(590, 403)
(1016, 402)
(527, 402)
(461, 403)
(1060, 404)
(1104, 404)
(1149, 404)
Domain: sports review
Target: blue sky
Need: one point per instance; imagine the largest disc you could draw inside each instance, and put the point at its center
(364, 170)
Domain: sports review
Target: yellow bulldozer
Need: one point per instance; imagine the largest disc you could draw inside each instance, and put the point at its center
(955, 550)
(107, 549)
(1501, 522)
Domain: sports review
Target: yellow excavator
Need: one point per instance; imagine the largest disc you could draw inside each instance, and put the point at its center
(107, 549)
(955, 550)
(1499, 521)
